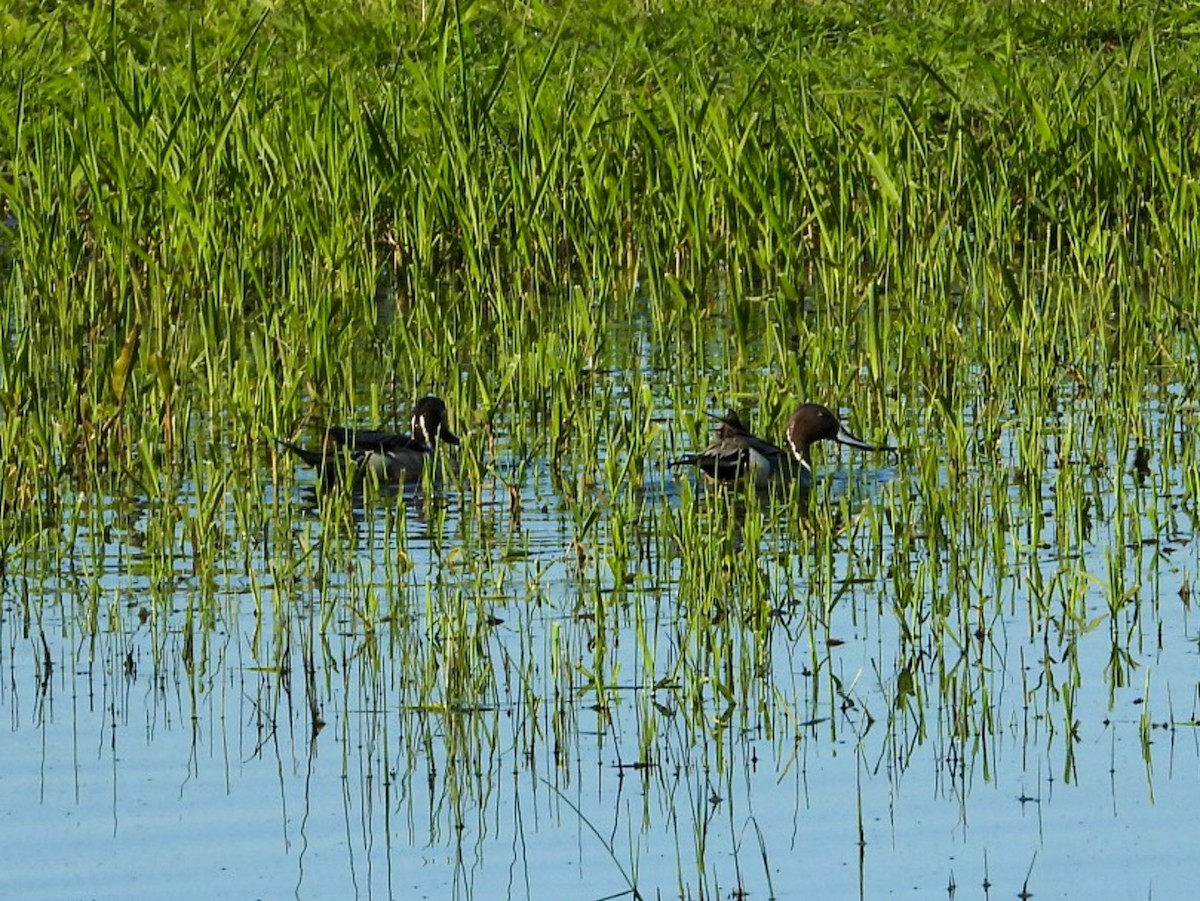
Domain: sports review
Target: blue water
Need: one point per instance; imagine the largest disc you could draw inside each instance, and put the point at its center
(465, 751)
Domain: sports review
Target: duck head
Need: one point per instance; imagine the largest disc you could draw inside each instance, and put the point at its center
(814, 422)
(430, 424)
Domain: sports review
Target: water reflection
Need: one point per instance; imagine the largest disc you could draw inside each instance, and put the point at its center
(510, 688)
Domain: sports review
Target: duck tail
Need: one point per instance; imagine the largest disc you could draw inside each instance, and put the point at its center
(686, 460)
(311, 457)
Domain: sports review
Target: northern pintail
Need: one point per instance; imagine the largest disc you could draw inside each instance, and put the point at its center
(735, 453)
(388, 456)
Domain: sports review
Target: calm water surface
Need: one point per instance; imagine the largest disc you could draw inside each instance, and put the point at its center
(500, 716)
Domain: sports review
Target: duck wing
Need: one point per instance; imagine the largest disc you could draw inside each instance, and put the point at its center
(732, 456)
(725, 463)
(368, 441)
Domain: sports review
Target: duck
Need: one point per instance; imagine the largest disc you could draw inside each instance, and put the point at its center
(735, 453)
(387, 456)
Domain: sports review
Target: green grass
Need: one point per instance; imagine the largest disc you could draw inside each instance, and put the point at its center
(971, 226)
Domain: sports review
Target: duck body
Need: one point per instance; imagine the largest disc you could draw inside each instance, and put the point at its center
(737, 454)
(385, 456)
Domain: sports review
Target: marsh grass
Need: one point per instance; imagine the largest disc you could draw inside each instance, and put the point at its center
(971, 229)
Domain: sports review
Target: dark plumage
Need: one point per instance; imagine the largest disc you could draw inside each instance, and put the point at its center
(390, 457)
(735, 453)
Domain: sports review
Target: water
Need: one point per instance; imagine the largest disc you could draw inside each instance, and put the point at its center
(434, 696)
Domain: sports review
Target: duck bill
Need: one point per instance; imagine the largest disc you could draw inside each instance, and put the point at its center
(444, 434)
(845, 437)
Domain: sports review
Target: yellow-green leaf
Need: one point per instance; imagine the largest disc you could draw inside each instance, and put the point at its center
(124, 364)
(881, 175)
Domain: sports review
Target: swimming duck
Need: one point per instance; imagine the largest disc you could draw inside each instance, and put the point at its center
(736, 453)
(389, 457)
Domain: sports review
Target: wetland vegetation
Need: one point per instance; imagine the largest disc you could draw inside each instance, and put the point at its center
(561, 669)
